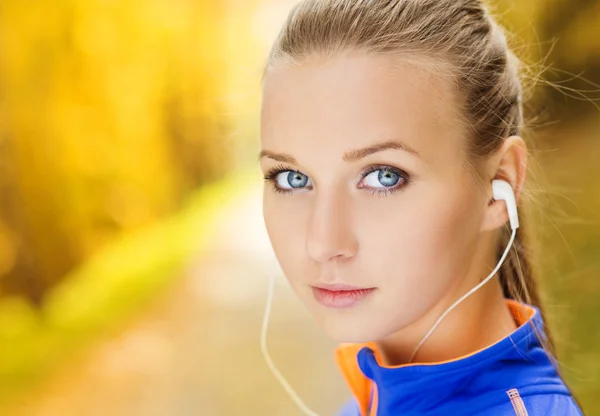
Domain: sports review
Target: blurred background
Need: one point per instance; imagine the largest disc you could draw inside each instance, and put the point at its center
(133, 260)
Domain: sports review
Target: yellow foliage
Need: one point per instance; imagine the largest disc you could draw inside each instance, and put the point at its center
(100, 100)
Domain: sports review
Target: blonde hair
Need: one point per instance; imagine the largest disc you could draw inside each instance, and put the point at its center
(459, 36)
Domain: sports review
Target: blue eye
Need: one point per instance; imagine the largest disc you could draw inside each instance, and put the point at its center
(286, 180)
(384, 180)
(385, 177)
(291, 178)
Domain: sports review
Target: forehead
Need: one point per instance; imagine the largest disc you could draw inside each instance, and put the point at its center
(352, 100)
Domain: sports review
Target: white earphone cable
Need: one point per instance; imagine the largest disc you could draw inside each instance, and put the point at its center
(466, 295)
(272, 367)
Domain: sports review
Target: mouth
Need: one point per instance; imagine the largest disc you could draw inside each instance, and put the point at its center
(340, 296)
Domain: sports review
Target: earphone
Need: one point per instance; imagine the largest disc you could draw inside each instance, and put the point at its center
(501, 191)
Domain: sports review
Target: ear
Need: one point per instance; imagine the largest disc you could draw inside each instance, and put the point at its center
(510, 164)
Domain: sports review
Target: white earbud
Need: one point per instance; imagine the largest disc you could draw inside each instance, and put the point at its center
(503, 191)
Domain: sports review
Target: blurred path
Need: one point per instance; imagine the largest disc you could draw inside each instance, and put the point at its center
(196, 350)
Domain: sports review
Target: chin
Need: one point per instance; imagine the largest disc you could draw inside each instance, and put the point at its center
(352, 335)
(349, 329)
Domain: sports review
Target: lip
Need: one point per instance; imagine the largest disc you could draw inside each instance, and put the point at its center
(340, 295)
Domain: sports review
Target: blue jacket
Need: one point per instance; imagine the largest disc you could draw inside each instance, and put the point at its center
(513, 377)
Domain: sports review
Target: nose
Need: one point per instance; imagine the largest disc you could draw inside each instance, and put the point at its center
(330, 235)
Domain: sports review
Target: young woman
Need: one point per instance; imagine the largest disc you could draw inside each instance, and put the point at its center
(390, 131)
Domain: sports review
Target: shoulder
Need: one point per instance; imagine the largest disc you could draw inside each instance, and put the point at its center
(551, 404)
(534, 405)
(538, 405)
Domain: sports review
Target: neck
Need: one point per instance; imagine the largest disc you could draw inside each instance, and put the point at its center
(479, 321)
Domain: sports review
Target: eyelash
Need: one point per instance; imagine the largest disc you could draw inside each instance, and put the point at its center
(271, 176)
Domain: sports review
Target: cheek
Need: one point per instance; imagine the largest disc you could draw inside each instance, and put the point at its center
(417, 252)
(409, 245)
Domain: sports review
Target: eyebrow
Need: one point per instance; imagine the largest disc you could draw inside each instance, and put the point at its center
(350, 156)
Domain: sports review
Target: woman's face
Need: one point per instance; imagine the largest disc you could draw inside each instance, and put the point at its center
(368, 189)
